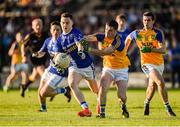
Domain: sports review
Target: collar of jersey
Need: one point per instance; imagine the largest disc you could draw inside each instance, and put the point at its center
(68, 32)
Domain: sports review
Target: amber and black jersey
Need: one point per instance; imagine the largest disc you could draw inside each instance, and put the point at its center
(33, 42)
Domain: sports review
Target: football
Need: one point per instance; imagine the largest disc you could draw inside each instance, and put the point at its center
(62, 60)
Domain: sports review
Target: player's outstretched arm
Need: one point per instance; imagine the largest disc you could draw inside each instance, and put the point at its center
(161, 49)
(38, 54)
(106, 51)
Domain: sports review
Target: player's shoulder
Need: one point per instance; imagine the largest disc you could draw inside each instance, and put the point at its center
(136, 32)
(158, 30)
(100, 36)
(30, 35)
(76, 31)
(48, 39)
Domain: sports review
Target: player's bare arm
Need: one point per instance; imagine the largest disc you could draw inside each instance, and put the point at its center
(90, 38)
(107, 51)
(38, 54)
(161, 49)
(12, 49)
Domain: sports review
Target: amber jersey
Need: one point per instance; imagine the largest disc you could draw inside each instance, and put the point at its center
(16, 56)
(118, 59)
(150, 38)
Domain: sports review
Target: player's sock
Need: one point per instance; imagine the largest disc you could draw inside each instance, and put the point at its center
(123, 107)
(24, 87)
(166, 105)
(125, 112)
(146, 107)
(67, 93)
(84, 105)
(101, 114)
(146, 101)
(60, 90)
(169, 110)
(102, 108)
(27, 84)
(43, 107)
(5, 88)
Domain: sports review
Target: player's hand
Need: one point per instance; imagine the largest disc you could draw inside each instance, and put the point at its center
(145, 49)
(35, 54)
(85, 45)
(81, 54)
(24, 59)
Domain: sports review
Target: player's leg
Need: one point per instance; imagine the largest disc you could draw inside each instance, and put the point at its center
(40, 69)
(24, 73)
(73, 81)
(42, 100)
(158, 79)
(9, 78)
(32, 78)
(52, 88)
(93, 86)
(95, 89)
(121, 93)
(149, 95)
(105, 82)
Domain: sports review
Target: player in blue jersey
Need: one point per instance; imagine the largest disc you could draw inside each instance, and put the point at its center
(123, 30)
(52, 75)
(81, 66)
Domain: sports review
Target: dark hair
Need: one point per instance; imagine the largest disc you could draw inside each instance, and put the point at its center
(149, 14)
(112, 23)
(54, 23)
(122, 16)
(67, 15)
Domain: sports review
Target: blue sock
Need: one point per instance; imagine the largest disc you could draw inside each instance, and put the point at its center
(84, 105)
(60, 90)
(167, 106)
(102, 108)
(43, 106)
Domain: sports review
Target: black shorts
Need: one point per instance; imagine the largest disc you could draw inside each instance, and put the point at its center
(39, 61)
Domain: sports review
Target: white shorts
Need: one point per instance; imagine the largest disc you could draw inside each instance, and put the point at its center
(88, 72)
(147, 68)
(117, 74)
(20, 67)
(53, 80)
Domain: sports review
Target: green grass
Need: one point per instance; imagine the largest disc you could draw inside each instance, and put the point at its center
(18, 111)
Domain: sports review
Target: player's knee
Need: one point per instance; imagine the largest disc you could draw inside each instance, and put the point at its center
(160, 83)
(43, 93)
(72, 85)
(122, 97)
(95, 91)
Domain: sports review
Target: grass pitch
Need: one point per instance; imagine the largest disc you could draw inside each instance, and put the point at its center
(18, 111)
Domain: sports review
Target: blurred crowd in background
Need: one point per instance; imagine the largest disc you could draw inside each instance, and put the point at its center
(90, 17)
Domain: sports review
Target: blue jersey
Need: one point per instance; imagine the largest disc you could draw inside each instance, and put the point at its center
(51, 47)
(124, 34)
(67, 43)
